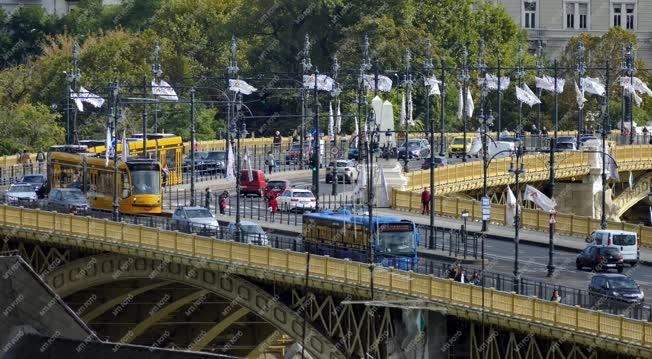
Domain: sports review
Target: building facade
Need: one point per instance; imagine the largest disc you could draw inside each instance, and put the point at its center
(554, 22)
(55, 7)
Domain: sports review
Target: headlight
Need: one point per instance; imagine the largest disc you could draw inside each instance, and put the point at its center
(615, 294)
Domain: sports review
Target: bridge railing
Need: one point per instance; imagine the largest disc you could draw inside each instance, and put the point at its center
(96, 233)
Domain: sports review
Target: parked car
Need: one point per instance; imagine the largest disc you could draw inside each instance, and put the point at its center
(572, 139)
(250, 233)
(613, 289)
(584, 138)
(200, 157)
(195, 220)
(296, 199)
(293, 154)
(21, 194)
(252, 182)
(346, 171)
(275, 188)
(565, 146)
(414, 149)
(600, 258)
(67, 200)
(215, 162)
(39, 182)
(457, 146)
(626, 242)
(437, 161)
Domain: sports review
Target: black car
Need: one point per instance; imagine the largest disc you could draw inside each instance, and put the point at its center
(600, 258)
(199, 162)
(613, 289)
(39, 183)
(67, 200)
(214, 162)
(414, 149)
(437, 161)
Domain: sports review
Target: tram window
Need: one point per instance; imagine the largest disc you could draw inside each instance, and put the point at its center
(125, 185)
(171, 159)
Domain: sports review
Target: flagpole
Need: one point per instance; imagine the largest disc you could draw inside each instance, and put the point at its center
(552, 143)
(605, 123)
(464, 78)
(157, 71)
(580, 71)
(428, 66)
(114, 125)
(192, 146)
(442, 102)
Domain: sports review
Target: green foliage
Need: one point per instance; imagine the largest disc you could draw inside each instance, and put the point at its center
(27, 126)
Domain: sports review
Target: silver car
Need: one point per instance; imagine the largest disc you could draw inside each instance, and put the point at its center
(250, 233)
(195, 220)
(21, 194)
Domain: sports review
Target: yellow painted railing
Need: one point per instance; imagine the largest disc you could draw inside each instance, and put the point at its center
(468, 176)
(86, 232)
(530, 218)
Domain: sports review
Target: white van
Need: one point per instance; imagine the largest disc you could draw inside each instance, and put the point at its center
(627, 242)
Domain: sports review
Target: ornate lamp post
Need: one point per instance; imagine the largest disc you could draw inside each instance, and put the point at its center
(239, 130)
(517, 168)
(464, 78)
(427, 66)
(580, 70)
(231, 71)
(539, 69)
(306, 65)
(73, 77)
(520, 72)
(407, 84)
(158, 72)
(335, 93)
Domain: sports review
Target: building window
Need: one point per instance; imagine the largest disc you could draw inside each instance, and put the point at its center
(577, 15)
(624, 15)
(530, 13)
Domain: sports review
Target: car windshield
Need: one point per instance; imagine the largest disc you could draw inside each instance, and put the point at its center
(20, 188)
(275, 184)
(145, 182)
(565, 139)
(396, 243)
(251, 229)
(34, 179)
(610, 251)
(73, 195)
(342, 164)
(218, 156)
(302, 194)
(458, 141)
(565, 145)
(624, 282)
(198, 213)
(624, 239)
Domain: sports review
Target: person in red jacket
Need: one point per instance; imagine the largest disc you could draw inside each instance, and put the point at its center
(426, 197)
(273, 204)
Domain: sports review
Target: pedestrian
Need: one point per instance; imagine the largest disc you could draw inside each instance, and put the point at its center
(273, 204)
(25, 159)
(534, 130)
(224, 202)
(475, 279)
(556, 297)
(40, 159)
(270, 161)
(166, 172)
(461, 276)
(544, 131)
(426, 197)
(277, 141)
(207, 199)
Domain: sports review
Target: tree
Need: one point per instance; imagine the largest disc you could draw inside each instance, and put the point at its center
(27, 126)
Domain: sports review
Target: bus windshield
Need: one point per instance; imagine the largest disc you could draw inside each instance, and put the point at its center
(396, 243)
(145, 182)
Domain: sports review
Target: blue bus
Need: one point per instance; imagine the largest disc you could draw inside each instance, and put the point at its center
(341, 234)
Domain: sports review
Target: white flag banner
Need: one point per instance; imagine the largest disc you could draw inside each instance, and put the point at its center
(359, 189)
(250, 174)
(540, 199)
(356, 131)
(109, 146)
(434, 86)
(592, 85)
(548, 83)
(403, 114)
(383, 199)
(579, 96)
(384, 82)
(510, 210)
(526, 96)
(630, 90)
(637, 84)
(164, 91)
(125, 147)
(460, 105)
(324, 83)
(91, 98)
(242, 87)
(230, 165)
(613, 170)
(491, 81)
(469, 103)
(78, 101)
(331, 122)
(410, 110)
(631, 180)
(338, 118)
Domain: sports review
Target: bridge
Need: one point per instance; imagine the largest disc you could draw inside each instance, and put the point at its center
(326, 303)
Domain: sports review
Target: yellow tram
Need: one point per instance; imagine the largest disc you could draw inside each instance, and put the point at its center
(164, 147)
(139, 181)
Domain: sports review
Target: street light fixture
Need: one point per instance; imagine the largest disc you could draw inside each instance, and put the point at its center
(517, 168)
(239, 130)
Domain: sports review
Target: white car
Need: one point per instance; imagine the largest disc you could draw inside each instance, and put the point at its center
(21, 194)
(295, 199)
(346, 171)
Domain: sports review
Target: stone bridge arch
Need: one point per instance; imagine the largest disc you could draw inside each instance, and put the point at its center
(106, 268)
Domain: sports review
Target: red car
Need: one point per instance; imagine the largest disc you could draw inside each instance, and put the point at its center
(275, 188)
(252, 182)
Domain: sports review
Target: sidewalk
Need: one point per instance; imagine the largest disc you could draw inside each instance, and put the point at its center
(500, 232)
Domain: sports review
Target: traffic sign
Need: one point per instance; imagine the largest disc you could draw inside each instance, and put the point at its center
(358, 167)
(335, 151)
(486, 209)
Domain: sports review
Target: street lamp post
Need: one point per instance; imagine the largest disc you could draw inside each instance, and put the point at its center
(192, 146)
(580, 70)
(73, 78)
(158, 72)
(629, 71)
(520, 72)
(114, 115)
(464, 77)
(486, 121)
(465, 217)
(605, 131)
(552, 143)
(335, 93)
(231, 71)
(240, 129)
(306, 65)
(317, 145)
(539, 69)
(427, 66)
(442, 110)
(517, 169)
(407, 83)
